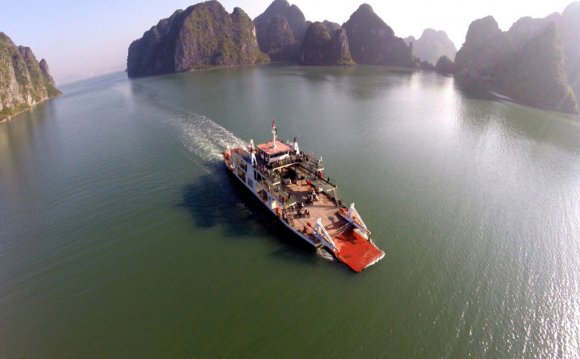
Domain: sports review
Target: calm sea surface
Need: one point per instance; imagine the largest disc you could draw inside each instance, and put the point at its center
(122, 236)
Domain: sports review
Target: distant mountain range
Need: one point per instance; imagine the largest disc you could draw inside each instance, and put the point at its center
(536, 62)
(24, 81)
(204, 35)
(432, 45)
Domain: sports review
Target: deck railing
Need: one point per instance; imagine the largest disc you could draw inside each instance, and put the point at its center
(313, 166)
(321, 233)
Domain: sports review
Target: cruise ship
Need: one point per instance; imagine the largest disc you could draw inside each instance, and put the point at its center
(292, 185)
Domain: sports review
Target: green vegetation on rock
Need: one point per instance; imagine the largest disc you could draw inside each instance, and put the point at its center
(24, 82)
(202, 36)
(280, 30)
(445, 65)
(325, 45)
(535, 63)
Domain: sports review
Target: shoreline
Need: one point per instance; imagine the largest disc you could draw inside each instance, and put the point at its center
(11, 117)
(400, 69)
(199, 69)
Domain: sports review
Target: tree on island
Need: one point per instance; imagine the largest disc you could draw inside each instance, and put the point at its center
(445, 65)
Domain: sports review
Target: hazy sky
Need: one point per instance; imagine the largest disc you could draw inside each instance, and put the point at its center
(87, 38)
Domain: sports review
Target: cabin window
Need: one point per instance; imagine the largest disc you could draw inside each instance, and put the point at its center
(258, 177)
(250, 183)
(244, 166)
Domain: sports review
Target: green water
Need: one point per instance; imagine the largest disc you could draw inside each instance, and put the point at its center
(122, 236)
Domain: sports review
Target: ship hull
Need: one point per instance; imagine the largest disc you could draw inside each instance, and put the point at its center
(356, 251)
(272, 211)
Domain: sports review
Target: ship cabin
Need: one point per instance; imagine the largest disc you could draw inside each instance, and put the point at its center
(274, 152)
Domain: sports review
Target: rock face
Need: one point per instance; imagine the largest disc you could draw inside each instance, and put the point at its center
(280, 30)
(202, 36)
(535, 74)
(24, 82)
(279, 39)
(432, 45)
(373, 42)
(325, 44)
(410, 40)
(536, 62)
(569, 29)
(485, 44)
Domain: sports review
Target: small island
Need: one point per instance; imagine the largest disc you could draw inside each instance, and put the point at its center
(24, 81)
(202, 36)
(325, 44)
(535, 63)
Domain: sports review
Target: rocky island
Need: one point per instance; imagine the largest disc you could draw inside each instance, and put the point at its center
(536, 62)
(325, 44)
(373, 42)
(202, 36)
(432, 45)
(24, 81)
(364, 39)
(280, 30)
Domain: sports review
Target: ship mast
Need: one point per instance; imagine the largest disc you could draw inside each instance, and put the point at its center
(274, 132)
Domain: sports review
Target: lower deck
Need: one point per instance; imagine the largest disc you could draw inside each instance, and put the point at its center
(322, 206)
(353, 250)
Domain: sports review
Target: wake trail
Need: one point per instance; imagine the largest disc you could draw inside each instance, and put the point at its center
(207, 139)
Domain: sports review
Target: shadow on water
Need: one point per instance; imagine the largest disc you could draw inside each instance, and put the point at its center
(486, 111)
(474, 91)
(364, 82)
(218, 200)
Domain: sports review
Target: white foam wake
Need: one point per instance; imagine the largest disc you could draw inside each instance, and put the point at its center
(207, 139)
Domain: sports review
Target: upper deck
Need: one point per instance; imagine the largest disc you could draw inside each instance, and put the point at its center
(274, 148)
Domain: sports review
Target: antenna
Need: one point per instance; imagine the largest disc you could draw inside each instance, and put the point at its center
(274, 132)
